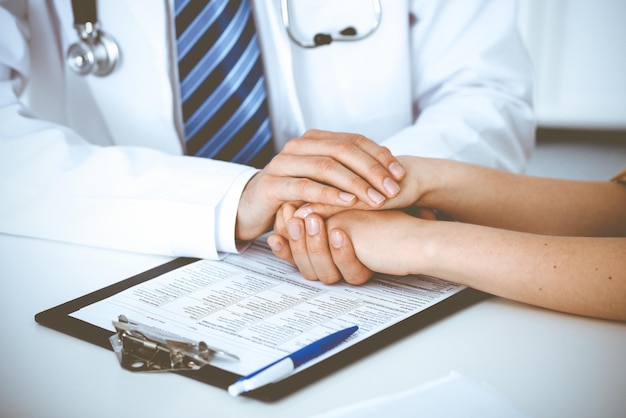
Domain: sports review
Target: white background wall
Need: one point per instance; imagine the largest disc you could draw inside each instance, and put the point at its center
(578, 49)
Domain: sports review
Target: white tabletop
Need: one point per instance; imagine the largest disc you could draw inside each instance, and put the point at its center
(548, 364)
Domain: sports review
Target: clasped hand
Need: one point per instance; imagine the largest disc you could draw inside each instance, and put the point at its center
(314, 177)
(317, 238)
(328, 170)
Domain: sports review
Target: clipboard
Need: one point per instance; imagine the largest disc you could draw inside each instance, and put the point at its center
(59, 319)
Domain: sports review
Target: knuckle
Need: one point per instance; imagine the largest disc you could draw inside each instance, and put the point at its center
(313, 192)
(383, 153)
(356, 184)
(315, 249)
(324, 165)
(357, 139)
(320, 193)
(374, 167)
(357, 280)
(329, 278)
(312, 132)
(277, 161)
(358, 276)
(343, 147)
(269, 186)
(327, 194)
(290, 146)
(303, 187)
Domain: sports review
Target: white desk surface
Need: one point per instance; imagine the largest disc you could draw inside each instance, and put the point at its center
(548, 364)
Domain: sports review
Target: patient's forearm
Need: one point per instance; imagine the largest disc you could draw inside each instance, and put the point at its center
(540, 205)
(585, 276)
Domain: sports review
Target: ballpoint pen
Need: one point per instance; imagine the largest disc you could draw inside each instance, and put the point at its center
(281, 368)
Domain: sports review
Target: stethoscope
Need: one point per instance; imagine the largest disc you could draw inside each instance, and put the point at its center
(97, 53)
(349, 34)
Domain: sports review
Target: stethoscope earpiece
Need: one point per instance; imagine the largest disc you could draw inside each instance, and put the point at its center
(348, 34)
(349, 31)
(322, 39)
(325, 38)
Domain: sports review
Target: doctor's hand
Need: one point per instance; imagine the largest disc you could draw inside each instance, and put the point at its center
(321, 167)
(423, 176)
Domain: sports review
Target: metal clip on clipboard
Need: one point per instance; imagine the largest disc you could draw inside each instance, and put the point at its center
(142, 348)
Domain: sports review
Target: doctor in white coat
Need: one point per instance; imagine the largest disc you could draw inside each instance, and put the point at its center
(100, 160)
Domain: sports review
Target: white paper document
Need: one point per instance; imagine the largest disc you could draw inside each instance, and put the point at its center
(260, 308)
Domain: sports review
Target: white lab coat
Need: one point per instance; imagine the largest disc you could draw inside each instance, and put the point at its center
(446, 79)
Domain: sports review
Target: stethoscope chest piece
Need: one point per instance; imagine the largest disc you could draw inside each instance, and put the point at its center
(95, 53)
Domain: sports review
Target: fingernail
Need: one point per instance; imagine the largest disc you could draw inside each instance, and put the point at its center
(346, 197)
(275, 246)
(303, 211)
(312, 226)
(294, 230)
(336, 239)
(375, 196)
(391, 186)
(397, 170)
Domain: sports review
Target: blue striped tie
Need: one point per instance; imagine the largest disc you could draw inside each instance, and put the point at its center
(221, 82)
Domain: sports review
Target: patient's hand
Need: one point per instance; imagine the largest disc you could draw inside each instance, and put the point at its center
(306, 244)
(350, 245)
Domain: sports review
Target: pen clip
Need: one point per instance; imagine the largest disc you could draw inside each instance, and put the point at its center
(142, 348)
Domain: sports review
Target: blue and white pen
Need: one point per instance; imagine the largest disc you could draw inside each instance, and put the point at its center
(283, 367)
